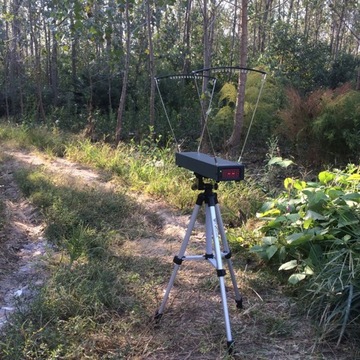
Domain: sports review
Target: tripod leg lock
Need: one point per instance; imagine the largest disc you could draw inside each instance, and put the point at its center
(220, 272)
(228, 255)
(177, 260)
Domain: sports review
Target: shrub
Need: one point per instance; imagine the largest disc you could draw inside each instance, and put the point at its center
(313, 231)
(337, 129)
(265, 119)
(324, 126)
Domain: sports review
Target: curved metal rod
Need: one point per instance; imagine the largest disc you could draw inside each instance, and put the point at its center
(227, 69)
(183, 76)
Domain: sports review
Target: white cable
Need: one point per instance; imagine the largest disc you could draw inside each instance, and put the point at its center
(253, 116)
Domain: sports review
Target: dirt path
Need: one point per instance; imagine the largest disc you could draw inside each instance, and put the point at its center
(22, 245)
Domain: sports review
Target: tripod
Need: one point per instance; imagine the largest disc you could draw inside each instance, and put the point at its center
(214, 255)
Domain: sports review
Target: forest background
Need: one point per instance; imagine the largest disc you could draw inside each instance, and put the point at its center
(90, 66)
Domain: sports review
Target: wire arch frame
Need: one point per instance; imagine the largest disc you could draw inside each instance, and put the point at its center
(204, 74)
(193, 77)
(244, 70)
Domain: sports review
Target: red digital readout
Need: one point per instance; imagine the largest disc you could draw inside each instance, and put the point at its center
(230, 174)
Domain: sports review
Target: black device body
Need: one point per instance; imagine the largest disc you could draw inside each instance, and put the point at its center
(210, 167)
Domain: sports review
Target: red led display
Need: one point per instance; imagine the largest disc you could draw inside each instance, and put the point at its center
(230, 174)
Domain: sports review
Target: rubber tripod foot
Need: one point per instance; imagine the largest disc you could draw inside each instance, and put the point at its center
(158, 317)
(239, 304)
(230, 346)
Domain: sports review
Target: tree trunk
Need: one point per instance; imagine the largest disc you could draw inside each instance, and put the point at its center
(35, 35)
(265, 29)
(234, 140)
(209, 17)
(233, 35)
(206, 59)
(151, 65)
(74, 45)
(187, 30)
(121, 108)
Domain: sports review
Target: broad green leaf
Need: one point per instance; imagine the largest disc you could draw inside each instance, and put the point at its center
(278, 160)
(275, 160)
(271, 212)
(298, 238)
(271, 251)
(317, 201)
(315, 254)
(259, 250)
(314, 215)
(293, 218)
(354, 177)
(308, 270)
(289, 265)
(295, 278)
(326, 176)
(334, 193)
(352, 196)
(288, 183)
(299, 185)
(279, 219)
(266, 206)
(269, 240)
(308, 223)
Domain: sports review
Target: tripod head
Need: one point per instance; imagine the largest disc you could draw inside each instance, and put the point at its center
(200, 184)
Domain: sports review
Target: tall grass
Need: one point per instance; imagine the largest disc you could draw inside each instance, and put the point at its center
(50, 141)
(143, 167)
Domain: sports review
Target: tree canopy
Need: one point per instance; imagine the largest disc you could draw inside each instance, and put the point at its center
(67, 63)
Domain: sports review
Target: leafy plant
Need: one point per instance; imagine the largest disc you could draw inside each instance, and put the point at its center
(313, 231)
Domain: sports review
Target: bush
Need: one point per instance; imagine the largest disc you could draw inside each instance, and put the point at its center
(338, 127)
(265, 119)
(324, 126)
(313, 231)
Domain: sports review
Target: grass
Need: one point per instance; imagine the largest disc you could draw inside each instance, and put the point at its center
(93, 284)
(102, 291)
(2, 205)
(146, 167)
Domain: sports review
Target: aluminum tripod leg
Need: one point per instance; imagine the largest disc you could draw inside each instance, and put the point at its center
(178, 260)
(213, 254)
(211, 218)
(238, 297)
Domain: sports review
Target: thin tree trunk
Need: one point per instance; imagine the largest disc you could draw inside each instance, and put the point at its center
(54, 81)
(38, 69)
(121, 108)
(234, 140)
(264, 25)
(187, 30)
(151, 65)
(209, 16)
(74, 44)
(233, 35)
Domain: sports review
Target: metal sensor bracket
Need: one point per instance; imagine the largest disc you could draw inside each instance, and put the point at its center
(210, 167)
